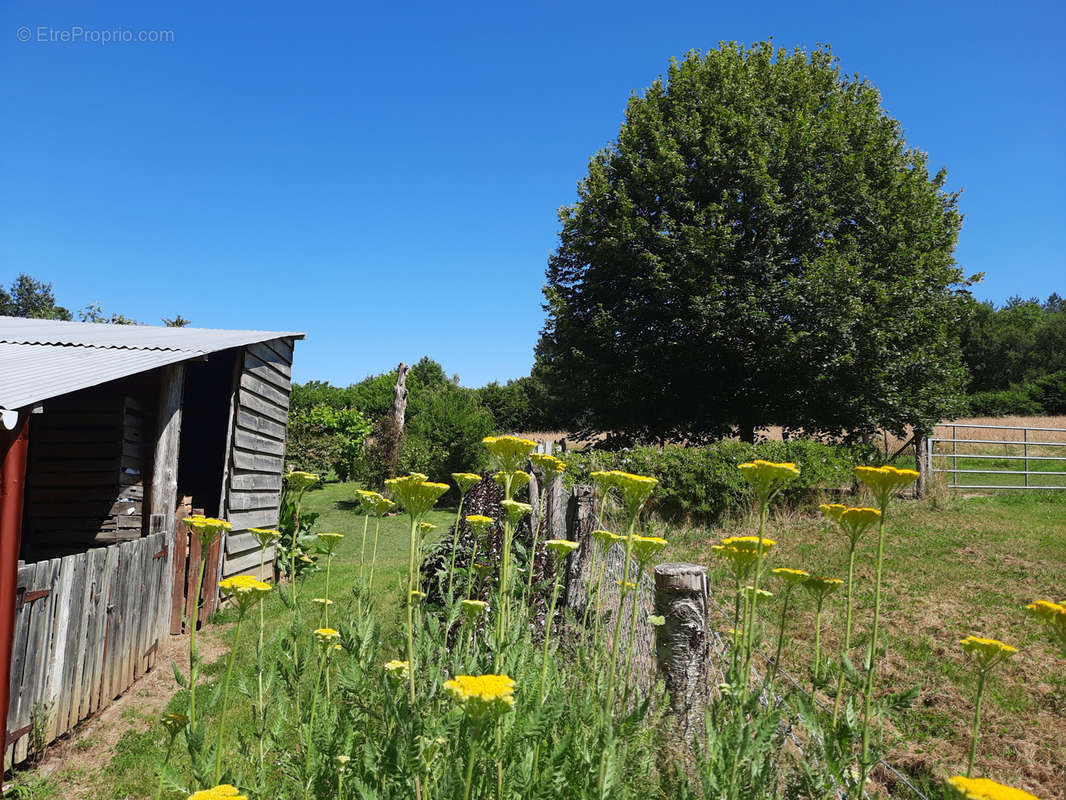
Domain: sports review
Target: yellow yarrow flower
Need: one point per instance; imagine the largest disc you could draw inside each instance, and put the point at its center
(426, 527)
(768, 477)
(547, 466)
(509, 453)
(265, 536)
(479, 522)
(820, 587)
(645, 548)
(856, 521)
(1053, 615)
(465, 480)
(322, 601)
(244, 590)
(965, 788)
(483, 698)
(604, 480)
(397, 669)
(750, 591)
(224, 791)
(206, 529)
(515, 510)
(473, 608)
(987, 652)
(301, 481)
(327, 636)
(329, 540)
(415, 493)
(561, 547)
(792, 577)
(635, 489)
(606, 538)
(832, 510)
(884, 482)
(417, 596)
(518, 479)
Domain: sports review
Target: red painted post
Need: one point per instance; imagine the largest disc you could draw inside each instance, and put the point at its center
(13, 446)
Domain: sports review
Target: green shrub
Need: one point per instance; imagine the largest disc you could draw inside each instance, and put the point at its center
(324, 438)
(1044, 395)
(445, 435)
(703, 482)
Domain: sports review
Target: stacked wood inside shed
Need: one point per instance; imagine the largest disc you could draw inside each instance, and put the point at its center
(86, 473)
(257, 454)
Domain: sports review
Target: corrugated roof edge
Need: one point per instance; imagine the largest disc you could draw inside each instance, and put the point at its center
(44, 332)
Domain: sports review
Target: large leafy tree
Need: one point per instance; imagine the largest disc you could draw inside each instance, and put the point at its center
(758, 246)
(32, 298)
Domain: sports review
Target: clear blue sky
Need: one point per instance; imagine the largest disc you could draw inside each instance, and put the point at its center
(385, 176)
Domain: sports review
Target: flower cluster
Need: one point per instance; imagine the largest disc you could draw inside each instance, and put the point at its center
(965, 788)
(223, 791)
(768, 477)
(206, 529)
(547, 466)
(483, 697)
(416, 494)
(1053, 615)
(886, 481)
(987, 652)
(244, 590)
(509, 453)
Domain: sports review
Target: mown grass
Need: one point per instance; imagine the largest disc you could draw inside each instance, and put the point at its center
(953, 567)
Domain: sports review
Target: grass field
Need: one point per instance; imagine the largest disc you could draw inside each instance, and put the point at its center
(954, 566)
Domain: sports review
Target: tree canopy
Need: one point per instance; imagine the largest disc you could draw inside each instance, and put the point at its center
(758, 246)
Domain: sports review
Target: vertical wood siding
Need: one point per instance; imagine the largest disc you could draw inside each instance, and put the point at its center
(86, 627)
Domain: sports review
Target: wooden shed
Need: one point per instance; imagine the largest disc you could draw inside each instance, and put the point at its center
(109, 435)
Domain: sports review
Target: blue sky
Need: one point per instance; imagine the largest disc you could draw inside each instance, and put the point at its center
(386, 177)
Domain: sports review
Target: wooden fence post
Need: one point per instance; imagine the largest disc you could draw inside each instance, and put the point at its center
(683, 643)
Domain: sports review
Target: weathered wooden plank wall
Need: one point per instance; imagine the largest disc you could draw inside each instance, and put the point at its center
(252, 496)
(86, 627)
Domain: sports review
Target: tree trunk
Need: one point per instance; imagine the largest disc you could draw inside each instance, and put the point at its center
(746, 432)
(399, 399)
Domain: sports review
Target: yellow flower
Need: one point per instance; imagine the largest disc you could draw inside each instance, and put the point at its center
(635, 489)
(547, 466)
(327, 636)
(519, 479)
(656, 620)
(604, 480)
(415, 493)
(329, 540)
(473, 608)
(606, 538)
(244, 589)
(265, 536)
(175, 722)
(986, 652)
(985, 789)
(465, 480)
(509, 453)
(820, 588)
(645, 548)
(479, 523)
(1051, 614)
(483, 697)
(885, 481)
(515, 510)
(767, 476)
(856, 521)
(374, 502)
(561, 547)
(417, 596)
(742, 553)
(793, 577)
(832, 510)
(342, 760)
(322, 601)
(628, 586)
(206, 529)
(749, 591)
(224, 791)
(397, 669)
(426, 527)
(301, 481)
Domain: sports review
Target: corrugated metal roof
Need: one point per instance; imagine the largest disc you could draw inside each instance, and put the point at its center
(46, 358)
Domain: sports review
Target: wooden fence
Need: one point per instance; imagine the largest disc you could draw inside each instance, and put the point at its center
(86, 627)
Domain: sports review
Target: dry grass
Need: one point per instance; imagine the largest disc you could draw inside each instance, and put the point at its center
(958, 567)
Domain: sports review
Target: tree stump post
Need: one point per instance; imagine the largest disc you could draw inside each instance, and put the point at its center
(683, 645)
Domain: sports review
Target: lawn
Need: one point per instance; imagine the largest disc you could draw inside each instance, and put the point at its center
(954, 566)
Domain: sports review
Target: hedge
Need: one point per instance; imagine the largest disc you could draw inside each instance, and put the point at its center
(703, 483)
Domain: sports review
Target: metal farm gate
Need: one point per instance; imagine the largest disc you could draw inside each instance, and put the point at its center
(978, 456)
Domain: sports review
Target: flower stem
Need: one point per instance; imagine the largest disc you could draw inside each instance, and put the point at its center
(192, 640)
(847, 632)
(455, 546)
(163, 769)
(749, 628)
(780, 640)
(468, 779)
(311, 726)
(547, 639)
(976, 722)
(632, 628)
(374, 557)
(541, 503)
(225, 698)
(362, 548)
(470, 572)
(817, 645)
(260, 700)
(292, 549)
(411, 609)
(871, 667)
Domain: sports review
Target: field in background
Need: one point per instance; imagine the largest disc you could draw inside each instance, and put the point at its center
(1017, 449)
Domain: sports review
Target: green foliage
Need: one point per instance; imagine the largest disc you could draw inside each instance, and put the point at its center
(445, 435)
(323, 438)
(704, 483)
(31, 298)
(520, 405)
(759, 225)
